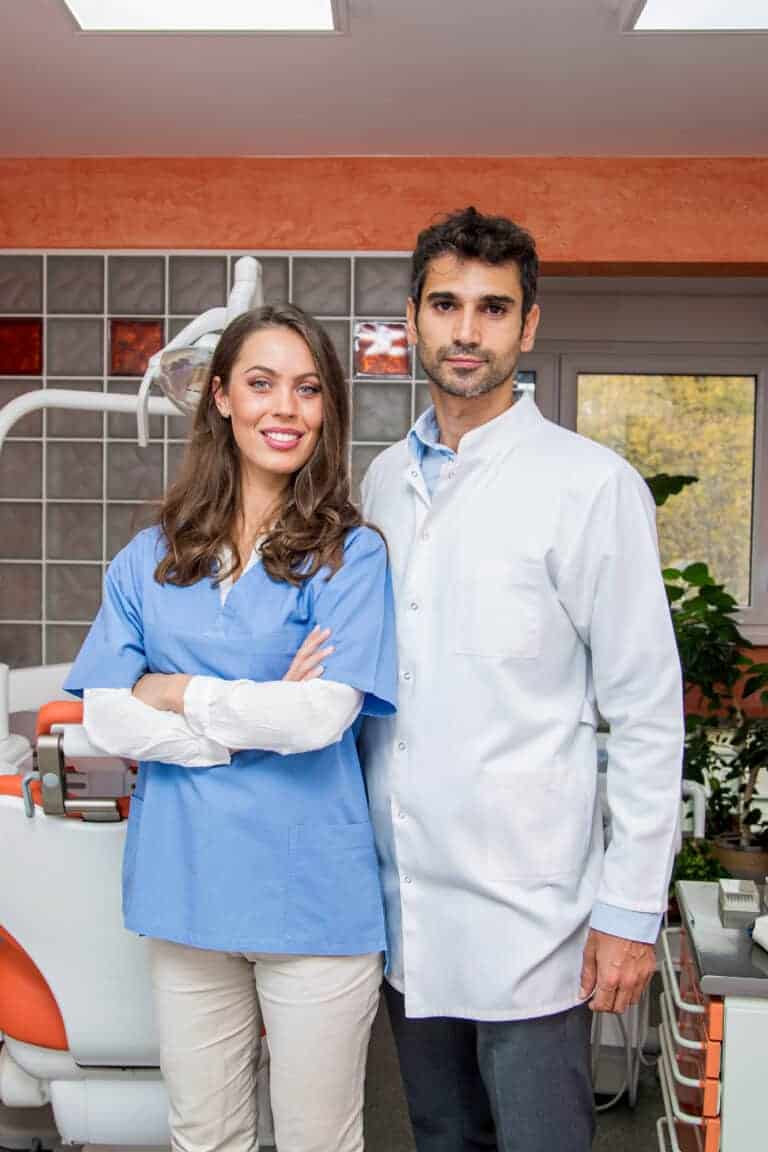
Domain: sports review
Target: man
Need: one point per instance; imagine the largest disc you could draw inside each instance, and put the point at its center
(529, 596)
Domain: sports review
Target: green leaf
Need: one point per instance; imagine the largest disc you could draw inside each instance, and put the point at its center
(754, 684)
(697, 574)
(663, 486)
(672, 574)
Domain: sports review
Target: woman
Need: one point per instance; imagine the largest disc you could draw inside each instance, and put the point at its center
(249, 859)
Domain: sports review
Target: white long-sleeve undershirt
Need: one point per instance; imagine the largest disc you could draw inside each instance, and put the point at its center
(283, 716)
(220, 716)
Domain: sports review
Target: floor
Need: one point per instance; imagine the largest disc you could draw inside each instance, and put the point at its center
(386, 1122)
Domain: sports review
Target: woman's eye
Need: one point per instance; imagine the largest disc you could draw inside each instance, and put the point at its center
(309, 389)
(259, 384)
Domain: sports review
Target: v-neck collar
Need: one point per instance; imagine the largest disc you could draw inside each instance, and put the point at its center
(226, 585)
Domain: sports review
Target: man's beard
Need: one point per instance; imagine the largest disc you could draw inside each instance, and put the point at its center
(480, 381)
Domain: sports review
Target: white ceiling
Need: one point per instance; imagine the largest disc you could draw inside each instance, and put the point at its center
(410, 77)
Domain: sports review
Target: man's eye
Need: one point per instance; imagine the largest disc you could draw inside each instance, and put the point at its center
(496, 309)
(443, 305)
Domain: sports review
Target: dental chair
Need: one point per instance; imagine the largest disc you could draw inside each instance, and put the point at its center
(75, 998)
(79, 1061)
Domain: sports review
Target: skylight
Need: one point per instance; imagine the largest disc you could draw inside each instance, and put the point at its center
(703, 16)
(205, 15)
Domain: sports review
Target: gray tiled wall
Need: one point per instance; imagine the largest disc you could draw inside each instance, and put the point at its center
(74, 486)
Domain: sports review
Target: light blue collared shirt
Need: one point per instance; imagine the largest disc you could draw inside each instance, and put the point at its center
(427, 451)
(433, 457)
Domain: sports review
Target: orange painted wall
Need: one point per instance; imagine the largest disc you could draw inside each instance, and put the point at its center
(707, 215)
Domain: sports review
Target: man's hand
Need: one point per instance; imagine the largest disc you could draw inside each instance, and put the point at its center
(616, 970)
(161, 690)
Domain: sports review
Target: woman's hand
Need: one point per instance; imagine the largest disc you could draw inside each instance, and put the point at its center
(307, 663)
(164, 691)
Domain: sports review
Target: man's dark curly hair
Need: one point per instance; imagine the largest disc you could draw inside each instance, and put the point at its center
(470, 235)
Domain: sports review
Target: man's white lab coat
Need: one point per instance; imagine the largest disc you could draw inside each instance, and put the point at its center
(528, 596)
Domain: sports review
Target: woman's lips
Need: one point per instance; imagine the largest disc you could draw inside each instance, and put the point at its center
(281, 440)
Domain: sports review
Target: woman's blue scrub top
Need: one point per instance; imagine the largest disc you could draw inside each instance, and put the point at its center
(268, 853)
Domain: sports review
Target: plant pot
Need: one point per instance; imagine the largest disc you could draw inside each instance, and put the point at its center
(742, 863)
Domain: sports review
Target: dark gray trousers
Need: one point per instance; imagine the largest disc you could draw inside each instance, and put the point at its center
(507, 1086)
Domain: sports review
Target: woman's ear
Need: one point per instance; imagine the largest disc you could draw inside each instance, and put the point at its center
(220, 397)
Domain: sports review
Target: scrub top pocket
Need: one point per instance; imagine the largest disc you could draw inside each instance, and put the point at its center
(332, 866)
(500, 615)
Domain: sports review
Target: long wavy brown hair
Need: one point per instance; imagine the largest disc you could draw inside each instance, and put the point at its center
(200, 512)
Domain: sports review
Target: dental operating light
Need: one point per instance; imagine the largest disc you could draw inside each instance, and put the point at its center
(180, 369)
(206, 15)
(703, 16)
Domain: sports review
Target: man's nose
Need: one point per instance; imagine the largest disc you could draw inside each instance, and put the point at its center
(466, 331)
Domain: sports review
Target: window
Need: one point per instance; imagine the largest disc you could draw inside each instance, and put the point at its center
(702, 417)
(697, 425)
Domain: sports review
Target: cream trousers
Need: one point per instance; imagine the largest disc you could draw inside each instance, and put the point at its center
(317, 1011)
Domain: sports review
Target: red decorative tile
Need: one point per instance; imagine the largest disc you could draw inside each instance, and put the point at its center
(132, 342)
(381, 349)
(21, 346)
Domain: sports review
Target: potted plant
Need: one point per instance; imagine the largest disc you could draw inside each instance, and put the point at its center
(696, 860)
(726, 743)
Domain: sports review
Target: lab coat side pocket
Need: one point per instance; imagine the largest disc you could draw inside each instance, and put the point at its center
(500, 613)
(538, 822)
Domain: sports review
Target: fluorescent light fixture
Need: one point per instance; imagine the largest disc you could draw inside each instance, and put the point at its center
(205, 15)
(703, 16)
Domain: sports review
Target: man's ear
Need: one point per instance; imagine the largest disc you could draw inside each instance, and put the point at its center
(528, 338)
(220, 397)
(410, 325)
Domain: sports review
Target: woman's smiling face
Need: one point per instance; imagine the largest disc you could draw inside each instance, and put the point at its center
(274, 401)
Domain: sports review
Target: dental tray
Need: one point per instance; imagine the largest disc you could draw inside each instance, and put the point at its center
(738, 902)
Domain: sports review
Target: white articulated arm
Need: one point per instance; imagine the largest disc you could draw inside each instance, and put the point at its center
(181, 377)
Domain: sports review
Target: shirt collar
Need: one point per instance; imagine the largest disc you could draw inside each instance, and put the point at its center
(505, 430)
(425, 436)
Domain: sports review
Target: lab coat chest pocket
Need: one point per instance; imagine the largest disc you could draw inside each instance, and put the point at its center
(497, 611)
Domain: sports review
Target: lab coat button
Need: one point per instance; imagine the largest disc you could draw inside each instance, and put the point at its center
(406, 879)
(406, 675)
(414, 607)
(402, 745)
(413, 474)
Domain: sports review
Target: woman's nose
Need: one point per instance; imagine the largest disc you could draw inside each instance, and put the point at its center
(285, 402)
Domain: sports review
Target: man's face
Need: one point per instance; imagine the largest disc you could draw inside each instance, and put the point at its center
(469, 330)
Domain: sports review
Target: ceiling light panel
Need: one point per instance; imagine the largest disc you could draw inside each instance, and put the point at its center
(703, 16)
(205, 15)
